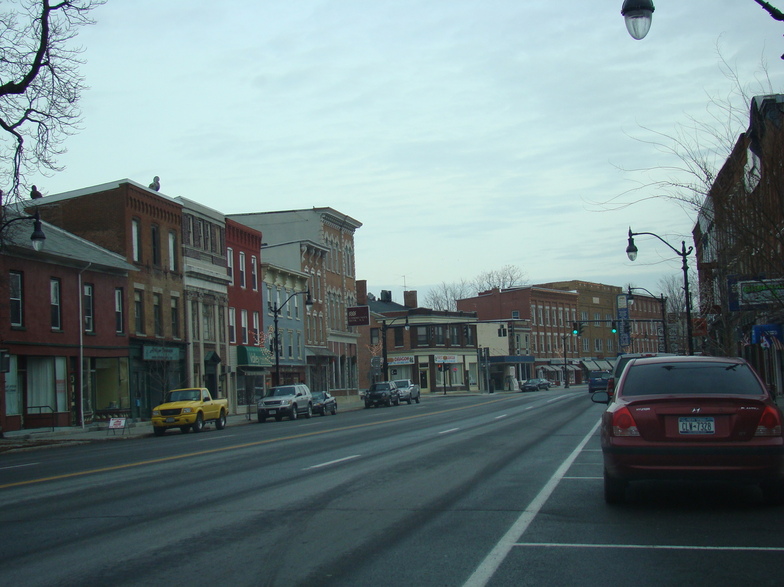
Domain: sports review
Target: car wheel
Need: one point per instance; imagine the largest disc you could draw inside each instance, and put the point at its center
(293, 413)
(388, 402)
(220, 423)
(367, 405)
(262, 417)
(417, 399)
(309, 413)
(159, 430)
(198, 425)
(278, 418)
(614, 489)
(773, 492)
(335, 409)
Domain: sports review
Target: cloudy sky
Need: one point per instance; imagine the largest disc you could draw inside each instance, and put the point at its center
(465, 135)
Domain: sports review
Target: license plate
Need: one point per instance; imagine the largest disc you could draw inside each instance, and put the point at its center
(696, 425)
(272, 412)
(170, 419)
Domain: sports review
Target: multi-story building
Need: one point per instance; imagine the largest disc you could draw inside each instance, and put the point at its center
(143, 227)
(551, 313)
(739, 245)
(207, 273)
(596, 313)
(318, 242)
(249, 359)
(64, 327)
(435, 349)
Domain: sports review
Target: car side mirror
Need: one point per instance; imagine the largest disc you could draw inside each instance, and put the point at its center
(600, 397)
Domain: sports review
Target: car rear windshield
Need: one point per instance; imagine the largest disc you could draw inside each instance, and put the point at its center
(401, 382)
(690, 378)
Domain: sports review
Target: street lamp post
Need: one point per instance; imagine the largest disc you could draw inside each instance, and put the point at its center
(38, 237)
(663, 301)
(631, 252)
(384, 326)
(276, 313)
(566, 366)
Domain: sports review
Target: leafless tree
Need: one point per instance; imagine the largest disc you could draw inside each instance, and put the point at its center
(444, 296)
(40, 85)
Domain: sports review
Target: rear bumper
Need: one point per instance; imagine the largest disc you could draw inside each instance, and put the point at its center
(736, 463)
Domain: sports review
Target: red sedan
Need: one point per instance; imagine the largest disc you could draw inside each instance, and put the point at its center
(691, 418)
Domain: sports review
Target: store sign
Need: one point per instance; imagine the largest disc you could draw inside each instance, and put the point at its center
(358, 315)
(403, 360)
(760, 292)
(445, 359)
(161, 353)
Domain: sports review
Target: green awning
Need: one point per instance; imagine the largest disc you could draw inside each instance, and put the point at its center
(252, 356)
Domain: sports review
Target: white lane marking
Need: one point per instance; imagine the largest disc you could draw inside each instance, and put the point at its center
(499, 417)
(584, 478)
(493, 560)
(655, 546)
(450, 430)
(327, 464)
(18, 466)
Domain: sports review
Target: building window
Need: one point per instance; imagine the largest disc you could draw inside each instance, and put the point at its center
(244, 326)
(55, 304)
(89, 322)
(291, 344)
(138, 310)
(422, 336)
(232, 325)
(597, 345)
(254, 273)
(157, 314)
(175, 317)
(155, 241)
(119, 310)
(399, 336)
(136, 237)
(256, 329)
(515, 314)
(230, 264)
(195, 317)
(439, 335)
(16, 291)
(374, 336)
(172, 251)
(468, 333)
(241, 270)
(208, 319)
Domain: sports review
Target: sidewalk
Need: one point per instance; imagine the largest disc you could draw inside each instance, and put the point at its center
(97, 432)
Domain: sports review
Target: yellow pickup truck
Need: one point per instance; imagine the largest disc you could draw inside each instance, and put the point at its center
(189, 409)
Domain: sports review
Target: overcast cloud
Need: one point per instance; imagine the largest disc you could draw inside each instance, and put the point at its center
(465, 134)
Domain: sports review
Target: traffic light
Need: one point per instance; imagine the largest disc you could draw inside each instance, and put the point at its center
(614, 327)
(575, 328)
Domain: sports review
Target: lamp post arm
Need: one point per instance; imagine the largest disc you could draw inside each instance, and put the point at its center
(682, 253)
(772, 10)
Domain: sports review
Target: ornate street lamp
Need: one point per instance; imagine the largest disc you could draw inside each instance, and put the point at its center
(637, 14)
(276, 313)
(631, 252)
(38, 238)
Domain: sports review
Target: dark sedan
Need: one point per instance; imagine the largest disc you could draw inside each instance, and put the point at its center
(382, 393)
(324, 403)
(691, 418)
(535, 385)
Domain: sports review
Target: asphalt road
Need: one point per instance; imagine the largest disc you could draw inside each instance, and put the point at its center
(481, 490)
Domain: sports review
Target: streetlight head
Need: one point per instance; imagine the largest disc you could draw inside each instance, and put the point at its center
(38, 237)
(308, 299)
(631, 250)
(638, 15)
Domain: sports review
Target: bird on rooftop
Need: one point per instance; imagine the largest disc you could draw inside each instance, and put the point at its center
(156, 183)
(35, 194)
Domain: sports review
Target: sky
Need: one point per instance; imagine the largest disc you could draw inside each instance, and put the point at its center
(465, 135)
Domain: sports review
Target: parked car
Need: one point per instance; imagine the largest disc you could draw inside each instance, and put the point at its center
(691, 418)
(286, 400)
(324, 403)
(189, 409)
(535, 385)
(382, 393)
(597, 380)
(408, 391)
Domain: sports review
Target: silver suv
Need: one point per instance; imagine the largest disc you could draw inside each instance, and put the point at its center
(286, 400)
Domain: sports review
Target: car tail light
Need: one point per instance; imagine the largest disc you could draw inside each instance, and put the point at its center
(610, 387)
(769, 424)
(623, 423)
